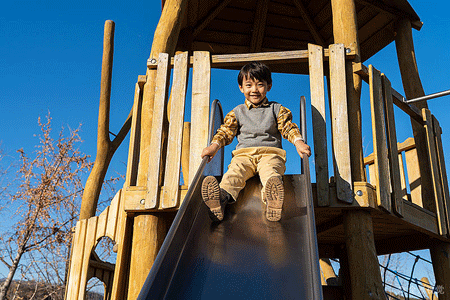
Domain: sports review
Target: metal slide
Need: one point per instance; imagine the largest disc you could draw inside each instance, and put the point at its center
(244, 256)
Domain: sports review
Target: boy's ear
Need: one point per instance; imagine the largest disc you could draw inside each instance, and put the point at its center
(241, 89)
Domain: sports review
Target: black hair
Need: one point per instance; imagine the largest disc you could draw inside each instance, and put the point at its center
(255, 70)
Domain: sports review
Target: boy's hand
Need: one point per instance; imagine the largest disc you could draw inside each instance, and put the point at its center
(210, 151)
(302, 148)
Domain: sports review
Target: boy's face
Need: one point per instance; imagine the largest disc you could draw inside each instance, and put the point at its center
(254, 90)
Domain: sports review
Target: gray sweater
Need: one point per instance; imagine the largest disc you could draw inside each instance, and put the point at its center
(258, 126)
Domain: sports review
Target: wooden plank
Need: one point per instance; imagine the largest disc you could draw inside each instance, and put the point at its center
(210, 17)
(133, 151)
(89, 243)
(76, 262)
(156, 142)
(102, 224)
(201, 85)
(111, 227)
(175, 138)
(319, 123)
(341, 141)
(372, 175)
(392, 147)
(379, 140)
(436, 178)
(123, 241)
(442, 171)
(415, 183)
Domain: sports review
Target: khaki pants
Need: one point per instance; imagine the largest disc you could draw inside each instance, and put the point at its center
(247, 162)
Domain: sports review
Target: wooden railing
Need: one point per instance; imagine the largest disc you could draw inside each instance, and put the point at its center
(386, 168)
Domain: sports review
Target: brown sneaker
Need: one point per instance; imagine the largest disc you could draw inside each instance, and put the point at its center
(274, 197)
(213, 198)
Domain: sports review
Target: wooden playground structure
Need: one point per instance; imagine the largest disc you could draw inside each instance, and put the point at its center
(394, 200)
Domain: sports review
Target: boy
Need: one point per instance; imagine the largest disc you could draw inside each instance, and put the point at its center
(258, 125)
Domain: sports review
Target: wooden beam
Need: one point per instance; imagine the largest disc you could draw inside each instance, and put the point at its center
(440, 256)
(379, 5)
(210, 17)
(259, 25)
(278, 57)
(310, 23)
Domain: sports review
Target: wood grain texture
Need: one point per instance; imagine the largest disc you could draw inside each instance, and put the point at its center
(341, 141)
(316, 79)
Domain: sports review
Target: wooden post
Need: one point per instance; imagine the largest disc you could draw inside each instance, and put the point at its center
(92, 190)
(149, 230)
(345, 31)
(440, 256)
(365, 277)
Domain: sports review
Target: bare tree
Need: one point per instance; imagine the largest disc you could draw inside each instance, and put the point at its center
(48, 189)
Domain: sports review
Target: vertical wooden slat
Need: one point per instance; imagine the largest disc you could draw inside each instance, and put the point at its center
(379, 139)
(76, 263)
(436, 178)
(113, 216)
(133, 152)
(341, 141)
(372, 175)
(443, 171)
(175, 138)
(185, 152)
(393, 150)
(316, 77)
(102, 224)
(156, 141)
(88, 246)
(123, 239)
(201, 81)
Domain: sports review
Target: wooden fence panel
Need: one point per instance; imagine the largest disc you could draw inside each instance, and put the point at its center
(379, 139)
(443, 171)
(393, 151)
(339, 122)
(316, 78)
(175, 138)
(156, 142)
(201, 82)
(436, 178)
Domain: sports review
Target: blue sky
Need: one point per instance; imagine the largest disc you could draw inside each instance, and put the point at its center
(50, 61)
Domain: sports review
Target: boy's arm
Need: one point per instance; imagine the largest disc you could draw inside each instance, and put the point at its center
(290, 131)
(224, 136)
(302, 148)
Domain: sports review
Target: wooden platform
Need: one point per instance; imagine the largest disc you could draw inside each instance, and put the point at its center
(417, 229)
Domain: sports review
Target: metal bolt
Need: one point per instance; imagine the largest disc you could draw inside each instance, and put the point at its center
(153, 61)
(359, 193)
(142, 201)
(347, 50)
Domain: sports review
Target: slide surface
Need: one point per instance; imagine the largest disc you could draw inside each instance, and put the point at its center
(244, 256)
